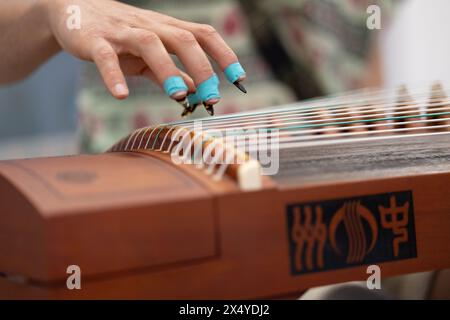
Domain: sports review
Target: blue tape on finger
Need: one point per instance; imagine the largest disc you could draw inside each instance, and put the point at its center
(193, 99)
(209, 89)
(174, 84)
(234, 71)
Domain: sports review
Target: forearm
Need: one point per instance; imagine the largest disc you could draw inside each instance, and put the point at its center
(26, 40)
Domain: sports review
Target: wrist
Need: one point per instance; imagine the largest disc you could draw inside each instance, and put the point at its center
(43, 9)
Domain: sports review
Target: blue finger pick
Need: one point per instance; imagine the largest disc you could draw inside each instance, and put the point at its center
(234, 71)
(209, 89)
(174, 84)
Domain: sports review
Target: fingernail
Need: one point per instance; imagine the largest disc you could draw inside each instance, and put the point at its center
(175, 87)
(179, 95)
(240, 86)
(120, 89)
(209, 89)
(212, 101)
(234, 72)
(209, 108)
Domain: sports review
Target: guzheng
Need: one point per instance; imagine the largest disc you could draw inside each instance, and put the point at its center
(335, 185)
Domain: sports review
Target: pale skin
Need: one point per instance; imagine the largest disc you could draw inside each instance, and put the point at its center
(120, 39)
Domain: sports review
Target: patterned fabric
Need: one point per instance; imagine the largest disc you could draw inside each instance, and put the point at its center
(290, 49)
(317, 47)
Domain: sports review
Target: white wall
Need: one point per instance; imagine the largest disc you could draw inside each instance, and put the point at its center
(416, 44)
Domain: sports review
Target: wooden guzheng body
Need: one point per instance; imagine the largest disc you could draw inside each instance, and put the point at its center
(363, 179)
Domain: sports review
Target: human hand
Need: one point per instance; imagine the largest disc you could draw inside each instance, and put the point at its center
(124, 40)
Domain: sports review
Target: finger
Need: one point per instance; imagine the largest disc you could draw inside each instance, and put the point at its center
(135, 66)
(185, 101)
(108, 65)
(211, 41)
(148, 46)
(184, 45)
(187, 79)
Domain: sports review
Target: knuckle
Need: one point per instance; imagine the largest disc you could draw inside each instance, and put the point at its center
(165, 67)
(111, 72)
(185, 37)
(147, 37)
(104, 54)
(205, 69)
(207, 30)
(229, 55)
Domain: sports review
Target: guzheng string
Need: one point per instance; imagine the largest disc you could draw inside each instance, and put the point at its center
(297, 111)
(286, 113)
(362, 114)
(332, 104)
(373, 114)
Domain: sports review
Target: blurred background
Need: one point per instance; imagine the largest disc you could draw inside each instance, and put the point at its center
(291, 50)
